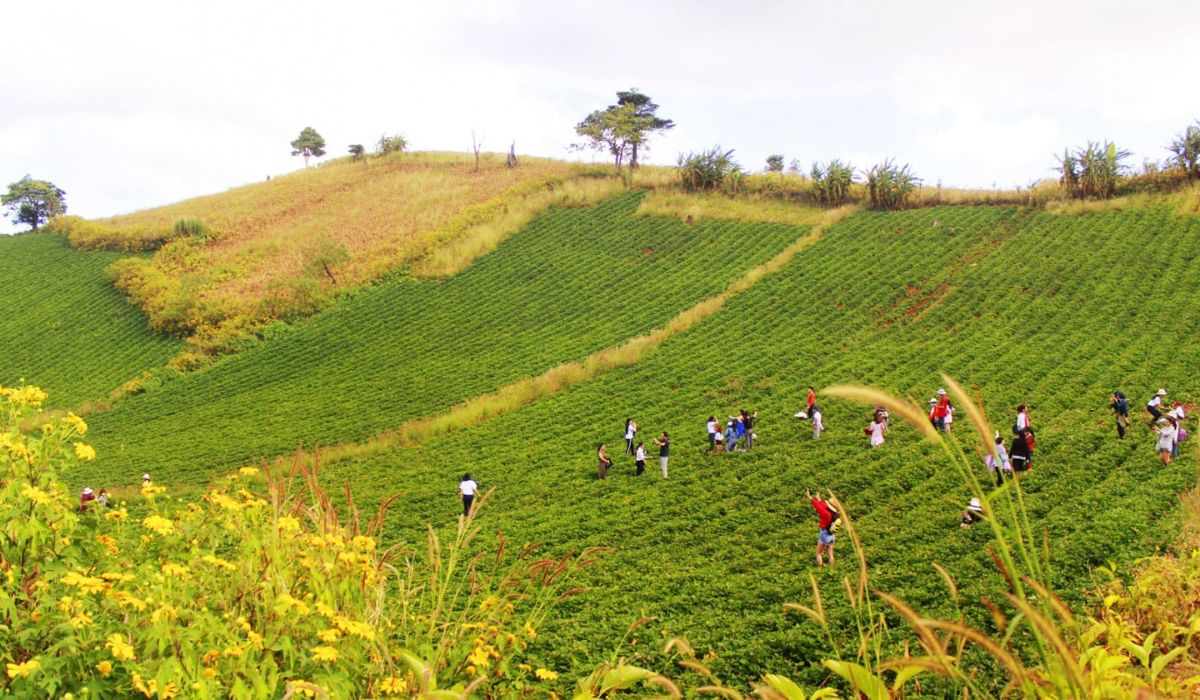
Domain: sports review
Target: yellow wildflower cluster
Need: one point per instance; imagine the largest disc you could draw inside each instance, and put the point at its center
(325, 653)
(85, 452)
(36, 495)
(85, 584)
(24, 395)
(118, 515)
(218, 562)
(159, 524)
(121, 649)
(22, 670)
(175, 570)
(149, 490)
(394, 686)
(76, 423)
(285, 603)
(289, 525)
(354, 627)
(109, 543)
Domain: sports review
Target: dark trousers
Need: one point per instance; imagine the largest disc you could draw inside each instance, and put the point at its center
(641, 466)
(1122, 421)
(1155, 414)
(467, 501)
(628, 446)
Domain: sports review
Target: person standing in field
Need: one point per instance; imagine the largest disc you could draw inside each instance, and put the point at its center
(85, 498)
(1167, 433)
(818, 421)
(102, 499)
(604, 460)
(467, 488)
(1022, 421)
(828, 521)
(639, 459)
(998, 464)
(1177, 413)
(730, 436)
(876, 430)
(1021, 452)
(748, 423)
(810, 401)
(664, 452)
(1153, 405)
(719, 437)
(630, 435)
(940, 410)
(713, 427)
(1120, 409)
(949, 417)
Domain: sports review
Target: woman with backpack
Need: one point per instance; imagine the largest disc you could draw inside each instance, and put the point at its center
(1120, 408)
(828, 522)
(1021, 451)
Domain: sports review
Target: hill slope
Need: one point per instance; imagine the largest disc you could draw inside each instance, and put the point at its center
(63, 326)
(573, 282)
(1052, 311)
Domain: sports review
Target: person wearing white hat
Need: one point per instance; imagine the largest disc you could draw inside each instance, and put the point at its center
(941, 410)
(1153, 405)
(86, 497)
(1168, 433)
(145, 478)
(973, 513)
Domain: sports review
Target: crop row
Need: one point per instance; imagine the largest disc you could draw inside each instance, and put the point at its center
(1056, 312)
(63, 326)
(573, 282)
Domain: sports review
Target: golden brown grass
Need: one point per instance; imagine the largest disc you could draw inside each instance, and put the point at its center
(1186, 201)
(568, 374)
(710, 206)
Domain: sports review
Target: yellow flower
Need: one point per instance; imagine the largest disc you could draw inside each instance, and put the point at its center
(256, 639)
(481, 656)
(210, 673)
(329, 636)
(363, 543)
(210, 657)
(225, 501)
(121, 649)
(174, 570)
(148, 688)
(109, 543)
(80, 620)
(165, 613)
(85, 452)
(323, 653)
(158, 524)
(546, 674)
(127, 600)
(77, 423)
(36, 495)
(118, 514)
(104, 667)
(248, 471)
(234, 651)
(285, 602)
(68, 604)
(530, 632)
(85, 584)
(36, 616)
(22, 670)
(358, 629)
(149, 491)
(169, 691)
(289, 525)
(30, 395)
(394, 686)
(218, 562)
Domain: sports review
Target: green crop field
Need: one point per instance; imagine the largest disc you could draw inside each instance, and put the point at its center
(63, 326)
(571, 283)
(1053, 311)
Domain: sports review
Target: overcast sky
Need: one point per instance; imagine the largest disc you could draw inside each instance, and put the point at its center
(128, 105)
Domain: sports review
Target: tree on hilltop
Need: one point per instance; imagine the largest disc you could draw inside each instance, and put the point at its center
(33, 202)
(775, 163)
(308, 144)
(622, 128)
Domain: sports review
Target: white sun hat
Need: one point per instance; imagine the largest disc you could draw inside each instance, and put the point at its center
(1162, 392)
(87, 490)
(941, 392)
(975, 506)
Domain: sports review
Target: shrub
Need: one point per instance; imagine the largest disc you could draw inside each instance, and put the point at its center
(192, 228)
(832, 181)
(391, 144)
(357, 151)
(889, 186)
(709, 170)
(256, 587)
(775, 163)
(1185, 151)
(1093, 171)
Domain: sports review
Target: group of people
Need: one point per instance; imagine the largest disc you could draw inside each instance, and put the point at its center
(100, 498)
(737, 434)
(638, 451)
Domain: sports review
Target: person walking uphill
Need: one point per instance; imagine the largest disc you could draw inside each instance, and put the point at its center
(828, 522)
(467, 488)
(604, 460)
(664, 451)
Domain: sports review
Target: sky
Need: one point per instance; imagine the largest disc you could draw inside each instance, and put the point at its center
(128, 105)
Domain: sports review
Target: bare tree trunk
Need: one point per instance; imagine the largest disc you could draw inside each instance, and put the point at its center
(476, 146)
(329, 272)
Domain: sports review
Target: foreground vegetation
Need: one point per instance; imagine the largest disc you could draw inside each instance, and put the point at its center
(64, 327)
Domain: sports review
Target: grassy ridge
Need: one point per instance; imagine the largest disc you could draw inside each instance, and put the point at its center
(63, 326)
(1053, 311)
(573, 282)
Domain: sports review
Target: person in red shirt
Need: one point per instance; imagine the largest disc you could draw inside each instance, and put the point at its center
(85, 498)
(809, 401)
(940, 410)
(828, 520)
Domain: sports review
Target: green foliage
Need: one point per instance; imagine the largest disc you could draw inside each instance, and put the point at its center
(308, 144)
(357, 151)
(253, 589)
(323, 257)
(622, 128)
(710, 170)
(1093, 171)
(889, 186)
(1185, 151)
(1020, 302)
(775, 163)
(34, 202)
(831, 182)
(64, 327)
(573, 282)
(393, 143)
(193, 229)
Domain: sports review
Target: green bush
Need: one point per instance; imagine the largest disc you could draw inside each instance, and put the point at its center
(709, 170)
(889, 186)
(832, 181)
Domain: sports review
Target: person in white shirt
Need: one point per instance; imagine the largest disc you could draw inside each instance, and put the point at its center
(1178, 414)
(1153, 405)
(875, 430)
(713, 429)
(1167, 432)
(999, 464)
(630, 434)
(640, 458)
(1022, 421)
(818, 422)
(467, 487)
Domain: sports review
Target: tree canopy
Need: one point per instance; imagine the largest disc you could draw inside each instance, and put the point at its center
(308, 144)
(623, 128)
(33, 202)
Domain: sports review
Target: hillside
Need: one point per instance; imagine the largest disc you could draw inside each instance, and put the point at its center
(569, 284)
(1020, 305)
(63, 326)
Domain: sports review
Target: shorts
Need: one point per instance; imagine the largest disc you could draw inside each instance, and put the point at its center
(826, 537)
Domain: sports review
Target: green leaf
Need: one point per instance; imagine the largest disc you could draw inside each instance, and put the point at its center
(623, 677)
(860, 679)
(905, 675)
(784, 686)
(1163, 659)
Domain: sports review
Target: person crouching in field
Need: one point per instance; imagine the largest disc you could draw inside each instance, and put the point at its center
(604, 461)
(467, 488)
(973, 513)
(828, 521)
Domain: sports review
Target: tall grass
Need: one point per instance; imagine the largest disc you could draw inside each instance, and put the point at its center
(709, 206)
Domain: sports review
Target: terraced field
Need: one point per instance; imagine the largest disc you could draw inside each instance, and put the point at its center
(573, 282)
(64, 327)
(1053, 311)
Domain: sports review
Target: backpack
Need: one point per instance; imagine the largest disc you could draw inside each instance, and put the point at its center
(836, 523)
(1182, 435)
(1122, 405)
